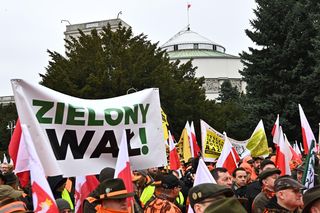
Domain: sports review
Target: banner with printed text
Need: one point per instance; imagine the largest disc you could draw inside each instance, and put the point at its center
(78, 137)
(213, 141)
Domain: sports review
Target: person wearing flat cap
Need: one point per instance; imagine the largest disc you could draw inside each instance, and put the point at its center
(165, 194)
(311, 200)
(113, 197)
(267, 179)
(210, 197)
(288, 196)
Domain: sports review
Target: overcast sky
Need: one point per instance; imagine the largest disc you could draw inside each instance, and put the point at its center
(30, 27)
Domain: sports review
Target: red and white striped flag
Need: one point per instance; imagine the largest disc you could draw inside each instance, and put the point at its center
(84, 185)
(295, 155)
(43, 200)
(203, 175)
(173, 155)
(297, 149)
(284, 156)
(275, 132)
(228, 157)
(123, 169)
(193, 141)
(307, 134)
(17, 151)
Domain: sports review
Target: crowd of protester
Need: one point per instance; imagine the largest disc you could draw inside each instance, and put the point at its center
(255, 186)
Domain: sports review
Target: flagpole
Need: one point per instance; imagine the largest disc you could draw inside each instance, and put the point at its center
(188, 7)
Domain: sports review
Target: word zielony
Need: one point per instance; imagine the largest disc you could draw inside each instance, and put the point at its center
(80, 116)
(62, 113)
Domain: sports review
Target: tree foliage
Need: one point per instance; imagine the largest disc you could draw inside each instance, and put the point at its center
(277, 70)
(228, 92)
(109, 63)
(8, 114)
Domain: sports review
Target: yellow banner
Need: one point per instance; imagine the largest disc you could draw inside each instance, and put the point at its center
(165, 125)
(257, 143)
(183, 147)
(213, 145)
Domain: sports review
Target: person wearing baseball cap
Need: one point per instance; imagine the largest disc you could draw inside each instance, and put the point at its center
(288, 196)
(267, 179)
(210, 197)
(311, 200)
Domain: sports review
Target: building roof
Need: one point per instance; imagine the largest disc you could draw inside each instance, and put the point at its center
(98, 25)
(187, 54)
(188, 39)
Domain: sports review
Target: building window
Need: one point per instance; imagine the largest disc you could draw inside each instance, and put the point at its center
(195, 46)
(175, 47)
(214, 47)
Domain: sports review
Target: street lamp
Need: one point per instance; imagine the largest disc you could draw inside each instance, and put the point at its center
(11, 125)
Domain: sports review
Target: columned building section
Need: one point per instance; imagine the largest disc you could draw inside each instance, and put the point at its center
(210, 58)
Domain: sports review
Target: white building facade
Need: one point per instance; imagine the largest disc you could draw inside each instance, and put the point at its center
(213, 63)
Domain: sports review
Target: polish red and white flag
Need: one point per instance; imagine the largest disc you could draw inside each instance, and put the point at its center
(123, 169)
(84, 185)
(284, 156)
(295, 155)
(228, 157)
(17, 151)
(173, 155)
(193, 141)
(43, 199)
(275, 132)
(307, 134)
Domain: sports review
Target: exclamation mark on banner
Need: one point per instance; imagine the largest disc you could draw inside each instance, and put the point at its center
(143, 138)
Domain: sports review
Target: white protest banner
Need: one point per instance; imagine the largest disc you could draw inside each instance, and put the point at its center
(75, 137)
(212, 143)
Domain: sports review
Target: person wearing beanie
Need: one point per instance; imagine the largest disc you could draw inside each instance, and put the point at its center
(63, 206)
